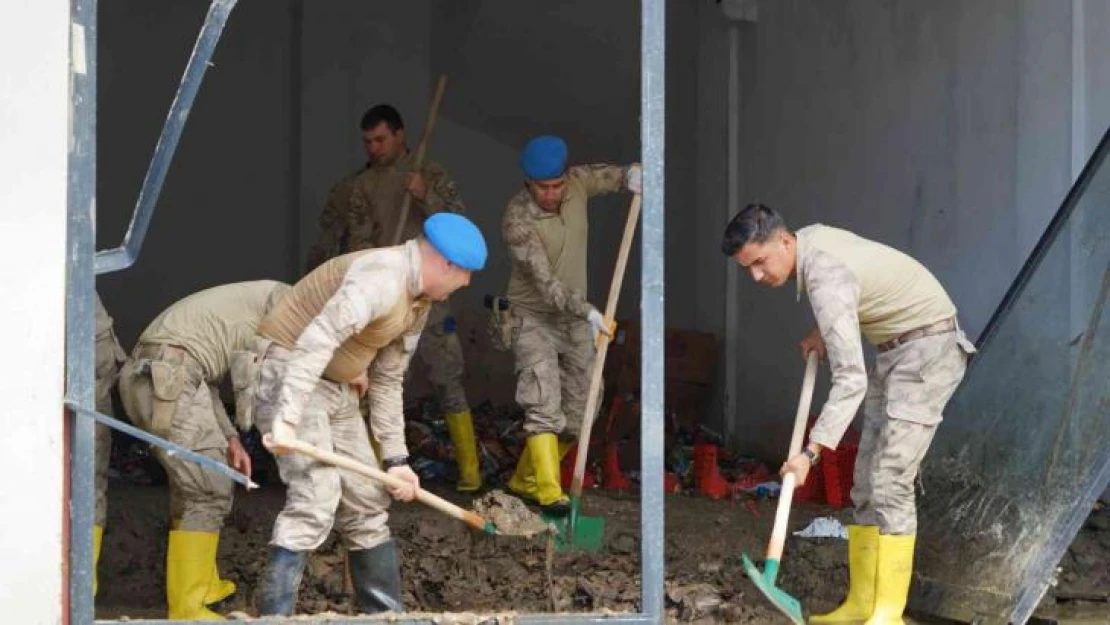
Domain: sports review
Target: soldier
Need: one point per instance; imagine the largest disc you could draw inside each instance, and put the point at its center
(855, 285)
(363, 212)
(349, 326)
(554, 327)
(109, 355)
(170, 388)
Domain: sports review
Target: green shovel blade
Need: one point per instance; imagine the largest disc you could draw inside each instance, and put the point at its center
(577, 531)
(765, 582)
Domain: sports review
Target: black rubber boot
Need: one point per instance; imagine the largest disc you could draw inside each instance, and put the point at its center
(376, 577)
(281, 581)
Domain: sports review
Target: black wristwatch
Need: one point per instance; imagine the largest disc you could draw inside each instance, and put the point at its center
(395, 461)
(813, 456)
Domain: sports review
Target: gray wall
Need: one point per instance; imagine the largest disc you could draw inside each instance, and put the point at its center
(227, 209)
(948, 129)
(943, 129)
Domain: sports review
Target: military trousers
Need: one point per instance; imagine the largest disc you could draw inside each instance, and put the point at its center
(904, 404)
(320, 496)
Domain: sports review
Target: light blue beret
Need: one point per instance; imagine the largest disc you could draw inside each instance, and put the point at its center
(457, 239)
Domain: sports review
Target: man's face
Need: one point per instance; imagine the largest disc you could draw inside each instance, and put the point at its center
(449, 278)
(548, 194)
(770, 263)
(383, 145)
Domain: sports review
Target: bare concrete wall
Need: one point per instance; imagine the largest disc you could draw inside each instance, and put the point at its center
(944, 129)
(227, 209)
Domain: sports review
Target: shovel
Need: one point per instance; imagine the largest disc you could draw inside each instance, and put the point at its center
(765, 581)
(577, 531)
(423, 496)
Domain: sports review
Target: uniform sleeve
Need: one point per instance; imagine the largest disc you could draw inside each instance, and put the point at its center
(834, 294)
(226, 428)
(442, 194)
(332, 226)
(527, 252)
(387, 374)
(367, 292)
(599, 179)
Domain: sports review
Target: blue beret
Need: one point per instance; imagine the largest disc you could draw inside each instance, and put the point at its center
(544, 158)
(457, 239)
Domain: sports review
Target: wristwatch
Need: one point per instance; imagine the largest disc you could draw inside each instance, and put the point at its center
(813, 456)
(396, 461)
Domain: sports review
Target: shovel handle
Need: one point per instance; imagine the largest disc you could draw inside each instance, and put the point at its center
(782, 514)
(592, 396)
(374, 473)
(421, 148)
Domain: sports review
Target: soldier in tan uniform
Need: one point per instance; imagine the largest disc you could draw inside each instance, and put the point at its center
(170, 388)
(855, 285)
(348, 328)
(109, 355)
(362, 212)
(554, 327)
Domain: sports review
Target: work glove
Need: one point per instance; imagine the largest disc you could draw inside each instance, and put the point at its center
(599, 325)
(634, 178)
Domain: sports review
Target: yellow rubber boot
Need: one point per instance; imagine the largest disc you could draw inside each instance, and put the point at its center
(545, 462)
(218, 589)
(863, 554)
(98, 538)
(190, 563)
(460, 426)
(892, 579)
(523, 481)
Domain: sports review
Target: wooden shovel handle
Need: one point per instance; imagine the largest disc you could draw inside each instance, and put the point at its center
(782, 514)
(421, 149)
(378, 475)
(592, 397)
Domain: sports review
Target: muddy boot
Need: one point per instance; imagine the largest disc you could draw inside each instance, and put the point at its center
(892, 579)
(376, 577)
(460, 426)
(544, 449)
(280, 582)
(189, 565)
(863, 558)
(523, 481)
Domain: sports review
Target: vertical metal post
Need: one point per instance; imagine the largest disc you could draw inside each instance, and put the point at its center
(652, 106)
(80, 303)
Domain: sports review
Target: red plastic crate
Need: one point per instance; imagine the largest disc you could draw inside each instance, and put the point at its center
(837, 467)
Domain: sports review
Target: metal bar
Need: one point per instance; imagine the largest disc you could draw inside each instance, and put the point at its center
(80, 305)
(127, 253)
(525, 619)
(1041, 248)
(172, 448)
(652, 133)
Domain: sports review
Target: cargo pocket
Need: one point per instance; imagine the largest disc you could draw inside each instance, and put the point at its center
(167, 383)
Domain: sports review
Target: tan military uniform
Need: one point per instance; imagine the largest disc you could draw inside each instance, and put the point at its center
(109, 355)
(358, 312)
(859, 285)
(333, 222)
(367, 219)
(553, 345)
(169, 387)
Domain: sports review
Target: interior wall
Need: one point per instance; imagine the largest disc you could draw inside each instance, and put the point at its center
(226, 212)
(943, 129)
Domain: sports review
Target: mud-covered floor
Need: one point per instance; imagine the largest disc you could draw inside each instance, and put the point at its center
(449, 568)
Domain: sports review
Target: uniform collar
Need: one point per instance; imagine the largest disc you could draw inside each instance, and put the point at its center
(412, 250)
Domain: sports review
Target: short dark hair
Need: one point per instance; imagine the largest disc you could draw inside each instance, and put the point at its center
(755, 224)
(382, 113)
